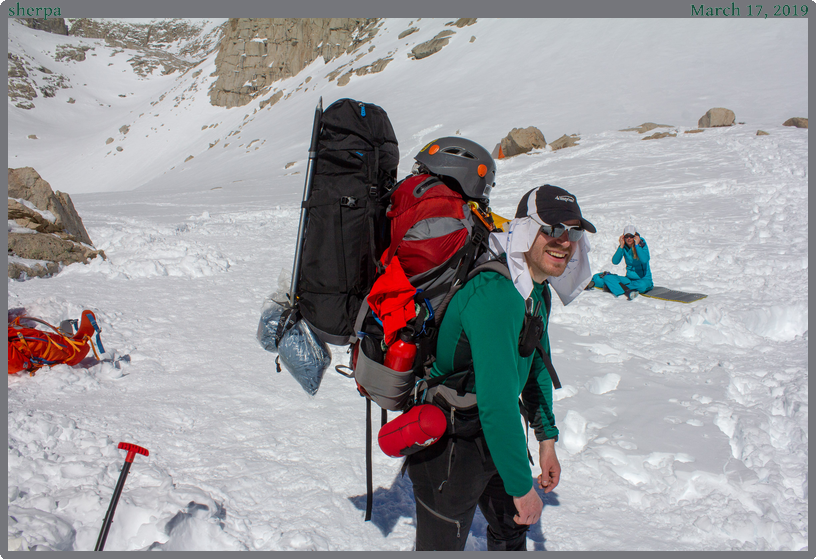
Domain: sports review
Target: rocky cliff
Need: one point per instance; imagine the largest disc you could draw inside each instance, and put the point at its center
(45, 231)
(164, 45)
(254, 53)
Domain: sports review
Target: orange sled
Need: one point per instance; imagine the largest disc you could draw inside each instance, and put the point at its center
(30, 349)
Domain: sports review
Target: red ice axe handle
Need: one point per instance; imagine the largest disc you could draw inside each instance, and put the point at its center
(132, 450)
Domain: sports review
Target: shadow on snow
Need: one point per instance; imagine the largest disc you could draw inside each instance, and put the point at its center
(391, 504)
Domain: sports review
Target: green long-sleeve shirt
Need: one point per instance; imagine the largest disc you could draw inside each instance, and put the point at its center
(490, 313)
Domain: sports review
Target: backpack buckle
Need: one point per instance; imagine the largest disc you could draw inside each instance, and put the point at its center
(348, 201)
(478, 236)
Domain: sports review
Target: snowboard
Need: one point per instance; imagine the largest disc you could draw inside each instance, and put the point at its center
(666, 294)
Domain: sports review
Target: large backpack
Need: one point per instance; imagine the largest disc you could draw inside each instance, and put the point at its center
(346, 232)
(437, 237)
(29, 349)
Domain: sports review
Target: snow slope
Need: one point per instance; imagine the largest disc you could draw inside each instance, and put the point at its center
(683, 427)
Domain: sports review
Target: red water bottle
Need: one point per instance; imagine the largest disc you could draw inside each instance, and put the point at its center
(400, 355)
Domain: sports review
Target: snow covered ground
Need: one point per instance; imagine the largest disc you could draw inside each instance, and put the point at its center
(683, 427)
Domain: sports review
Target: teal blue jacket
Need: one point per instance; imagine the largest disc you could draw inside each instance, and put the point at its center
(636, 268)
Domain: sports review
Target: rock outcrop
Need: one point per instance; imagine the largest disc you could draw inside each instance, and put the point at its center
(47, 231)
(151, 41)
(426, 49)
(409, 31)
(54, 25)
(565, 142)
(48, 248)
(798, 122)
(521, 140)
(29, 78)
(659, 135)
(462, 22)
(646, 126)
(25, 183)
(254, 53)
(717, 117)
(26, 79)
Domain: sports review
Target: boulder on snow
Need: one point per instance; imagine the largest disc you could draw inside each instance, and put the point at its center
(426, 49)
(645, 127)
(49, 248)
(798, 122)
(717, 117)
(461, 22)
(30, 219)
(409, 31)
(521, 140)
(25, 183)
(565, 142)
(658, 135)
(762, 133)
(46, 232)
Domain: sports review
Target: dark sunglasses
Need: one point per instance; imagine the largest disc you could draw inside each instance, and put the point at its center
(628, 236)
(555, 231)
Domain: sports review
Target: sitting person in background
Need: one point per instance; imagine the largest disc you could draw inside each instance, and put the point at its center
(638, 277)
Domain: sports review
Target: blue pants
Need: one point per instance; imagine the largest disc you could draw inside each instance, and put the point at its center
(615, 284)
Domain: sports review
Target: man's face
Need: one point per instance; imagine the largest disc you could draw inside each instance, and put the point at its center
(549, 256)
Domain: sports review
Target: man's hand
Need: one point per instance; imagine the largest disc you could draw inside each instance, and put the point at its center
(528, 507)
(550, 468)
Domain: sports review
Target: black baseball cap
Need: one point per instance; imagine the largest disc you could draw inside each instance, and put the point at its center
(550, 205)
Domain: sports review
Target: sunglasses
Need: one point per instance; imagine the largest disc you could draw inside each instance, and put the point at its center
(555, 231)
(628, 236)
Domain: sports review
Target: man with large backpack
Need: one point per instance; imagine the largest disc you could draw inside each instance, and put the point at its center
(484, 353)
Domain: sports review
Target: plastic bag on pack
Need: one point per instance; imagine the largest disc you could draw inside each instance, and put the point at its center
(304, 356)
(300, 351)
(268, 326)
(274, 306)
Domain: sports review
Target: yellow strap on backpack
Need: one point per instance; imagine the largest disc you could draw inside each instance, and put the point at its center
(498, 220)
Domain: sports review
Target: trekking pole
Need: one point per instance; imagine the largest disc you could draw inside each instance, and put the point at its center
(133, 450)
(307, 190)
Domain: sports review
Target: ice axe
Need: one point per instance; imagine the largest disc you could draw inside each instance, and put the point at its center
(133, 450)
(304, 211)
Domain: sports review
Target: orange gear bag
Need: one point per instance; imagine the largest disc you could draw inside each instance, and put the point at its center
(30, 349)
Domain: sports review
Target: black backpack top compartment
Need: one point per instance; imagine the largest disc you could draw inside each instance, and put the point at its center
(347, 231)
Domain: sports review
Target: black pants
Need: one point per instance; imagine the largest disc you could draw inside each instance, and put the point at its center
(446, 502)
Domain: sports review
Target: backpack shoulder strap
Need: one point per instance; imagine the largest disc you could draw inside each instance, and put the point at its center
(543, 354)
(500, 266)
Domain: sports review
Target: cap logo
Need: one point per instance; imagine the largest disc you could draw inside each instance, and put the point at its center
(434, 149)
(482, 170)
(564, 198)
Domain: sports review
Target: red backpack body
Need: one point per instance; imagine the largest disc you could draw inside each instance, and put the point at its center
(428, 224)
